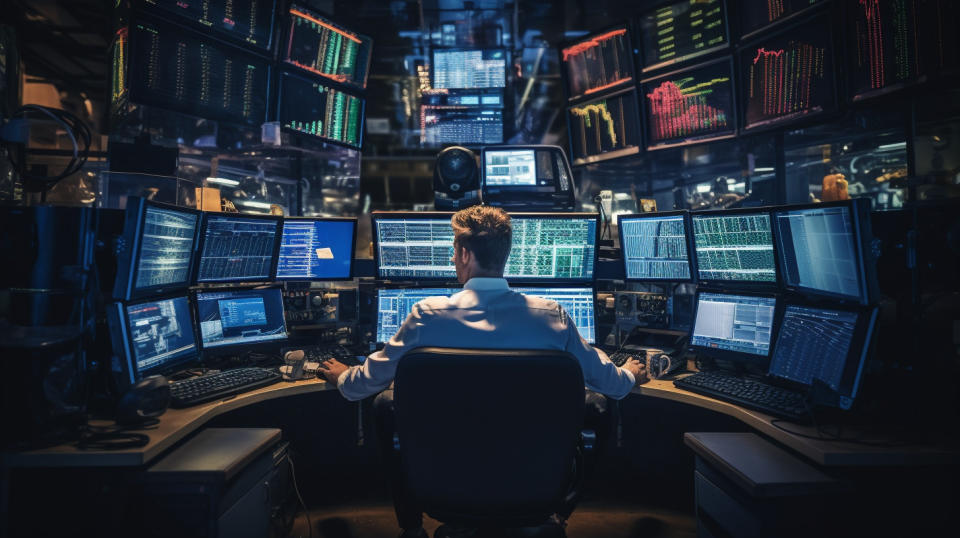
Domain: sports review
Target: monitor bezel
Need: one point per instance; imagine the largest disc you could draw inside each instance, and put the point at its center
(814, 19)
(117, 313)
(128, 268)
(610, 155)
(134, 97)
(353, 246)
(688, 239)
(201, 242)
(866, 271)
(298, 74)
(738, 357)
(565, 71)
(174, 17)
(227, 349)
(506, 65)
(646, 67)
(860, 346)
(283, 51)
(696, 139)
(737, 285)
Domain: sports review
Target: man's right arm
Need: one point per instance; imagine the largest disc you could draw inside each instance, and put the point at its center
(599, 373)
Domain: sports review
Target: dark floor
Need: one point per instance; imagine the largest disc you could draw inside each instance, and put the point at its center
(591, 520)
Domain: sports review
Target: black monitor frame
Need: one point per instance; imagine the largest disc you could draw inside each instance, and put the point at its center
(231, 349)
(646, 67)
(822, 22)
(331, 86)
(688, 233)
(855, 363)
(695, 139)
(737, 285)
(128, 261)
(748, 361)
(282, 50)
(353, 245)
(506, 64)
(416, 215)
(610, 155)
(859, 209)
(201, 242)
(118, 323)
(134, 97)
(172, 16)
(565, 72)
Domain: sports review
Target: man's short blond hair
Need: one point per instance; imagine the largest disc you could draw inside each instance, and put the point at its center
(486, 232)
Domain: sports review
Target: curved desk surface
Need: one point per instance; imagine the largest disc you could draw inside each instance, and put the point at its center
(177, 424)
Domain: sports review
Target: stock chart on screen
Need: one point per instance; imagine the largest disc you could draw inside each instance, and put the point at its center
(469, 69)
(893, 42)
(604, 128)
(756, 14)
(734, 247)
(323, 48)
(249, 21)
(176, 69)
(598, 63)
(453, 124)
(693, 104)
(655, 247)
(312, 108)
(682, 30)
(788, 76)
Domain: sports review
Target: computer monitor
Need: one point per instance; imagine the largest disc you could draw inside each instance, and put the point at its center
(547, 247)
(789, 76)
(463, 125)
(154, 336)
(312, 108)
(511, 168)
(604, 128)
(824, 249)
(317, 248)
(690, 106)
(157, 254)
(469, 68)
(656, 246)
(248, 22)
(393, 306)
(828, 345)
(597, 62)
(240, 317)
(734, 247)
(734, 327)
(527, 178)
(322, 47)
(173, 68)
(682, 30)
(238, 248)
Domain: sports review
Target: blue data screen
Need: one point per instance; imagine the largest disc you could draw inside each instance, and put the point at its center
(240, 317)
(316, 250)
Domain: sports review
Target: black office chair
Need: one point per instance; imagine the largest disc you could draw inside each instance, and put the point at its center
(491, 438)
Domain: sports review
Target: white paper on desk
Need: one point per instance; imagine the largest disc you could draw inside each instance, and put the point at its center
(324, 254)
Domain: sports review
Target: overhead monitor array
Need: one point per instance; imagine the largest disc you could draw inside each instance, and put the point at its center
(604, 128)
(320, 46)
(598, 63)
(313, 108)
(682, 30)
(250, 22)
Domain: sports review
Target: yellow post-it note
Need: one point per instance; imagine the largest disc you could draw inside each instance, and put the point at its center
(324, 254)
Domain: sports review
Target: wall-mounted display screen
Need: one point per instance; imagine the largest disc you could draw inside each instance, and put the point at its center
(485, 68)
(321, 47)
(690, 105)
(757, 14)
(249, 21)
(598, 63)
(682, 30)
(310, 107)
(604, 128)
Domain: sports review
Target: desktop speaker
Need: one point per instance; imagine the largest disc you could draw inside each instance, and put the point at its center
(456, 179)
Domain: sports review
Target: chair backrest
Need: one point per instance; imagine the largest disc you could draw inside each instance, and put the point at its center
(488, 435)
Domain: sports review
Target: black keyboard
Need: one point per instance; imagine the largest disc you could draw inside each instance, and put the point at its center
(205, 388)
(620, 358)
(747, 393)
(322, 352)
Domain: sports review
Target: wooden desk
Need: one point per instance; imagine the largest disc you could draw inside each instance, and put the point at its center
(822, 452)
(174, 425)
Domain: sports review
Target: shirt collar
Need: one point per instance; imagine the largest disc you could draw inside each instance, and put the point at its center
(486, 284)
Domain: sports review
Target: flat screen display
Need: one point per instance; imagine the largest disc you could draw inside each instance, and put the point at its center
(247, 21)
(598, 63)
(682, 30)
(239, 317)
(316, 249)
(655, 247)
(480, 68)
(313, 108)
(160, 333)
(236, 248)
(604, 128)
(321, 47)
(741, 324)
(734, 247)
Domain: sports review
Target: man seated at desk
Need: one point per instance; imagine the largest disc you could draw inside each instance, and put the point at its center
(487, 314)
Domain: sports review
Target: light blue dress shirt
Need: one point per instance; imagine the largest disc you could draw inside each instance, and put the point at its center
(486, 314)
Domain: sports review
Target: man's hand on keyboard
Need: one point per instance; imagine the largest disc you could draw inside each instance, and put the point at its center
(638, 369)
(331, 370)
